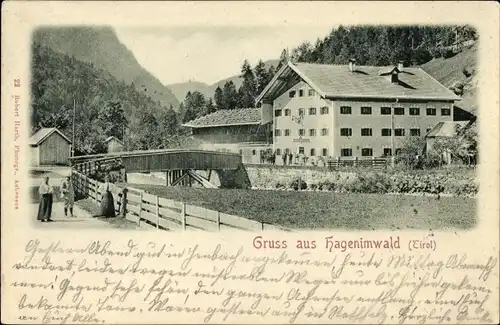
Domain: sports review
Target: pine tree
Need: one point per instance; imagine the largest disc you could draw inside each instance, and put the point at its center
(209, 107)
(248, 89)
(218, 98)
(261, 76)
(230, 95)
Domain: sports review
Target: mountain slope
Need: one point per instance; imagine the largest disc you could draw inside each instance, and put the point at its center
(450, 72)
(180, 89)
(101, 47)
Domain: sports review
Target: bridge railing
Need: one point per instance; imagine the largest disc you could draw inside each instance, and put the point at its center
(151, 211)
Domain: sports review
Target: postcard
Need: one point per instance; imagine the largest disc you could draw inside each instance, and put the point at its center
(250, 162)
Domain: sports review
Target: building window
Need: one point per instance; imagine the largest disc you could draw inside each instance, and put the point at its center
(346, 152)
(399, 132)
(312, 111)
(366, 110)
(254, 152)
(324, 152)
(287, 112)
(278, 152)
(277, 132)
(277, 113)
(385, 110)
(302, 132)
(287, 132)
(366, 132)
(445, 111)
(291, 94)
(301, 93)
(346, 132)
(345, 109)
(324, 110)
(398, 151)
(399, 111)
(431, 111)
(386, 132)
(301, 111)
(313, 152)
(301, 150)
(414, 110)
(387, 152)
(311, 92)
(312, 132)
(324, 131)
(415, 132)
(367, 152)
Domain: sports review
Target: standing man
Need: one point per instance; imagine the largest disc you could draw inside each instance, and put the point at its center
(68, 195)
(283, 157)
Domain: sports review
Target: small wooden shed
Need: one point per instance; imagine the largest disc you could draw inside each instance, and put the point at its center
(114, 144)
(49, 146)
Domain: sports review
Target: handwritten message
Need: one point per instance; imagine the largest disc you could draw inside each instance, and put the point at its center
(107, 281)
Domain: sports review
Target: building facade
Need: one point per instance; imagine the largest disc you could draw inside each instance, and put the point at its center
(114, 144)
(238, 131)
(349, 111)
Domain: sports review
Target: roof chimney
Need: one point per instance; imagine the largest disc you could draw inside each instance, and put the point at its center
(352, 64)
(400, 66)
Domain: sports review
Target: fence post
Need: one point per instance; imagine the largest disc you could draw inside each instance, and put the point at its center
(123, 206)
(96, 192)
(183, 215)
(140, 208)
(338, 162)
(218, 221)
(373, 161)
(157, 212)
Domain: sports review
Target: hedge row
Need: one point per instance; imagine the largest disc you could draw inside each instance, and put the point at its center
(378, 182)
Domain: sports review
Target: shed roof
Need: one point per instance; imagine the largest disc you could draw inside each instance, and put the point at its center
(227, 117)
(43, 134)
(447, 129)
(111, 138)
(337, 81)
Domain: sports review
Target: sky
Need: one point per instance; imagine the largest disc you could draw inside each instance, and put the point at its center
(209, 54)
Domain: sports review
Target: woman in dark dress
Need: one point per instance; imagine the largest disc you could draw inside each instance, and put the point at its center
(46, 197)
(107, 202)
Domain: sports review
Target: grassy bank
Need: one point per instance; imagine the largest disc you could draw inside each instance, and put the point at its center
(325, 210)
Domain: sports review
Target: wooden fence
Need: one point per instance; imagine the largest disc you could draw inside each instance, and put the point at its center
(151, 211)
(375, 163)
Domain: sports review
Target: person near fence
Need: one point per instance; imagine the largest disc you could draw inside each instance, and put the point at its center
(107, 202)
(290, 158)
(46, 196)
(68, 196)
(284, 158)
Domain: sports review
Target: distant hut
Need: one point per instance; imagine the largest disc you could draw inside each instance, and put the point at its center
(114, 144)
(49, 146)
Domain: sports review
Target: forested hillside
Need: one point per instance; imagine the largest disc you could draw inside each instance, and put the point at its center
(104, 105)
(101, 47)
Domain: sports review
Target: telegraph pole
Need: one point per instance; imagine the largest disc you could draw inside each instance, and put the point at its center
(73, 140)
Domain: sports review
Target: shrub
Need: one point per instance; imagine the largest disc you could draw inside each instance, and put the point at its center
(298, 183)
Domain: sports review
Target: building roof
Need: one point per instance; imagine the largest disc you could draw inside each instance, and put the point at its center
(337, 82)
(43, 134)
(111, 138)
(447, 129)
(227, 117)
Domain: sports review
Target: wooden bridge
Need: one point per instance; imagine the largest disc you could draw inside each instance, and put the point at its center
(178, 164)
